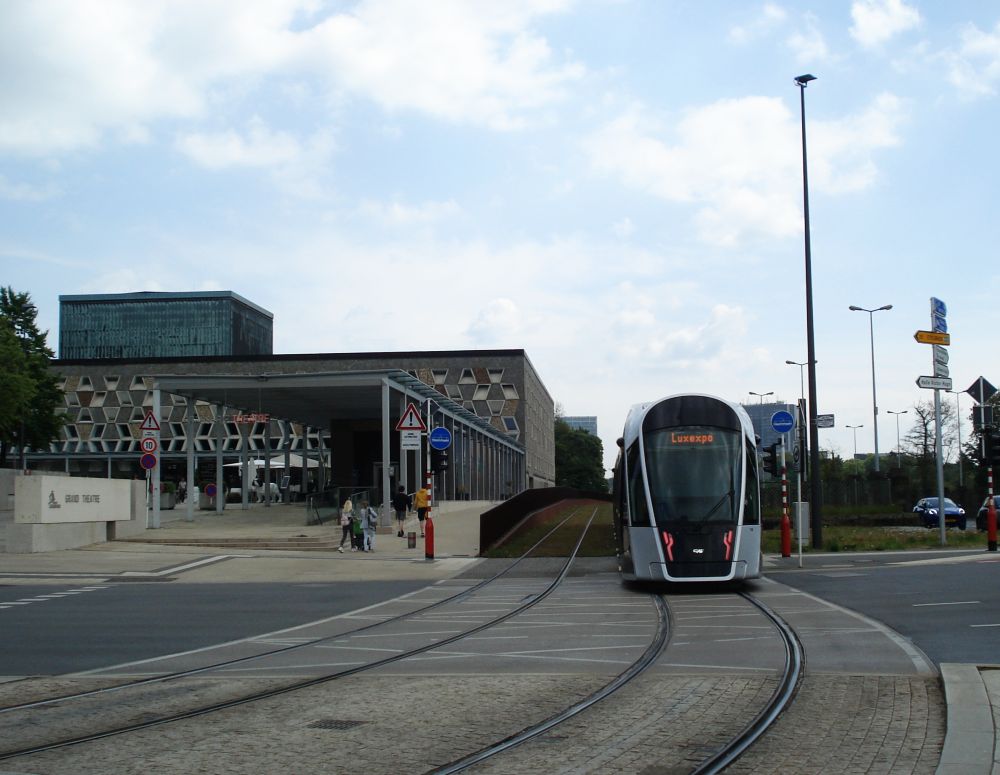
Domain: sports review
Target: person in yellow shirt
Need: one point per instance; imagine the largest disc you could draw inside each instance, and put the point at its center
(422, 503)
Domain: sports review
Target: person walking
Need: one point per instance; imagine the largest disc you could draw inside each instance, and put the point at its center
(345, 525)
(422, 501)
(369, 519)
(401, 503)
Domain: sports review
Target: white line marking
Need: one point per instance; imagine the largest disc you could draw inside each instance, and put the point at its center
(957, 602)
(984, 625)
(186, 566)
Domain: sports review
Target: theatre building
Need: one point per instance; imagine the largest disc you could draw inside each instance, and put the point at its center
(202, 364)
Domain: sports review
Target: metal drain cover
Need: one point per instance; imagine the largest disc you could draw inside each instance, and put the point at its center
(335, 723)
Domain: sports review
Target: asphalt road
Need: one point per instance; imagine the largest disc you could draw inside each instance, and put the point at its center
(950, 610)
(54, 629)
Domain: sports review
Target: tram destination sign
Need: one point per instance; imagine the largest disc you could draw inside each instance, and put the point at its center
(934, 383)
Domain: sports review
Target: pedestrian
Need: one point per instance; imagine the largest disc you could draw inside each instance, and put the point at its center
(358, 532)
(423, 503)
(401, 503)
(369, 518)
(345, 526)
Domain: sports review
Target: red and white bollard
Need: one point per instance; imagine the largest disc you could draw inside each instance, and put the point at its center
(786, 525)
(428, 522)
(991, 515)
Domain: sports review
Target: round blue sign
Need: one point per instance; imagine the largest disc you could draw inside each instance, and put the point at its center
(782, 421)
(440, 438)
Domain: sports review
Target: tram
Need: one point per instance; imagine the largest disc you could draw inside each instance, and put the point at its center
(687, 492)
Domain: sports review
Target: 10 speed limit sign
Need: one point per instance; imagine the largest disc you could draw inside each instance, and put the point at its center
(148, 444)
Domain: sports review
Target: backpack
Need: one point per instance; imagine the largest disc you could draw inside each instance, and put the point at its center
(372, 517)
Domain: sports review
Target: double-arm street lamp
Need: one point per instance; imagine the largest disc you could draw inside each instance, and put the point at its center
(855, 429)
(815, 488)
(898, 458)
(871, 335)
(761, 396)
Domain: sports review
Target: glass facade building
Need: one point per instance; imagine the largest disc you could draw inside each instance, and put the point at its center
(162, 325)
(588, 424)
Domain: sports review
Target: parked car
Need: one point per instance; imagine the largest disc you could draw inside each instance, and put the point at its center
(981, 516)
(927, 508)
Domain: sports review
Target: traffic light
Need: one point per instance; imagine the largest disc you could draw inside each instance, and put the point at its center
(439, 460)
(770, 459)
(993, 448)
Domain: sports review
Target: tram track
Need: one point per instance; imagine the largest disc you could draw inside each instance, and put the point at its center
(719, 758)
(147, 720)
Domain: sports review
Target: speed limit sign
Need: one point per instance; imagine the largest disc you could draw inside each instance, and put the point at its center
(148, 444)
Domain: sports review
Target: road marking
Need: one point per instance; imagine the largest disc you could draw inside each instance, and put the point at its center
(984, 625)
(179, 568)
(958, 602)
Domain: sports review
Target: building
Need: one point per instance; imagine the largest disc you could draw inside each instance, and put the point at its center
(162, 325)
(588, 424)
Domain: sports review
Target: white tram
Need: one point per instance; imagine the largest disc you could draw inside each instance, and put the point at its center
(687, 493)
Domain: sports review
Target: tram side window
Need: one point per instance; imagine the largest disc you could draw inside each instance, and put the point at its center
(638, 511)
(751, 497)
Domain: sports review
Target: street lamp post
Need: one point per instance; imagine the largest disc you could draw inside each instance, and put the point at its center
(899, 463)
(761, 413)
(871, 335)
(958, 424)
(855, 429)
(816, 492)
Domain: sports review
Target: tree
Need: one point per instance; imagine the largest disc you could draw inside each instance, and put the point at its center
(579, 459)
(30, 421)
(920, 439)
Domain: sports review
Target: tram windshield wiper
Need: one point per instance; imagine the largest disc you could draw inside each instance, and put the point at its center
(718, 504)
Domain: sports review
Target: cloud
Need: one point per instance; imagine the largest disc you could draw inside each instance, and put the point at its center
(769, 17)
(466, 62)
(258, 147)
(398, 214)
(876, 21)
(738, 163)
(500, 321)
(24, 192)
(77, 73)
(808, 44)
(975, 66)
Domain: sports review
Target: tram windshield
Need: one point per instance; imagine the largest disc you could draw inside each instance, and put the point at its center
(694, 474)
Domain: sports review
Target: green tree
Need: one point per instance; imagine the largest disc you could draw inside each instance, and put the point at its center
(34, 420)
(579, 459)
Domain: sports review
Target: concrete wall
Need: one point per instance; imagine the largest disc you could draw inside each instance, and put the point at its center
(60, 512)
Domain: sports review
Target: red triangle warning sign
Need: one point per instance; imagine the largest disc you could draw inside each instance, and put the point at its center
(411, 421)
(149, 422)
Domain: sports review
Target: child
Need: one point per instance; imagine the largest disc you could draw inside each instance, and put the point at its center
(369, 518)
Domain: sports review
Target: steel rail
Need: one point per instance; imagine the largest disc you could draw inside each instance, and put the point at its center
(319, 680)
(647, 658)
(783, 694)
(284, 649)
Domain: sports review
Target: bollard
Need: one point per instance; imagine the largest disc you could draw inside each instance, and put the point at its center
(411, 540)
(786, 525)
(428, 538)
(991, 526)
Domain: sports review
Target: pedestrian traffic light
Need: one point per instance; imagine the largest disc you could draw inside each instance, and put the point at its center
(770, 458)
(439, 460)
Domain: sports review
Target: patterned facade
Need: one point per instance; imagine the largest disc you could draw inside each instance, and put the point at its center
(106, 401)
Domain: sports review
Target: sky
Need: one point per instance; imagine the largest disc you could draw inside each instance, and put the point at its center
(614, 186)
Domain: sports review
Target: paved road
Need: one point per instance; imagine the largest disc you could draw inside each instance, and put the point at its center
(948, 606)
(53, 629)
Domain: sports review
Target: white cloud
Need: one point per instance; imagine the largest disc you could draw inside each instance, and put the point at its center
(24, 192)
(808, 44)
(75, 72)
(467, 62)
(399, 214)
(738, 162)
(769, 17)
(259, 147)
(876, 21)
(975, 66)
(499, 322)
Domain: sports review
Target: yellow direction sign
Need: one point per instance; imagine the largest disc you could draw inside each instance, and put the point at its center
(932, 337)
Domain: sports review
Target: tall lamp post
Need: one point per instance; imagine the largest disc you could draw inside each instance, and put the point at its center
(855, 429)
(815, 487)
(898, 456)
(958, 424)
(871, 335)
(761, 413)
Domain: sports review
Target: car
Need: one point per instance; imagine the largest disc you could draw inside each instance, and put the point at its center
(981, 516)
(927, 508)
